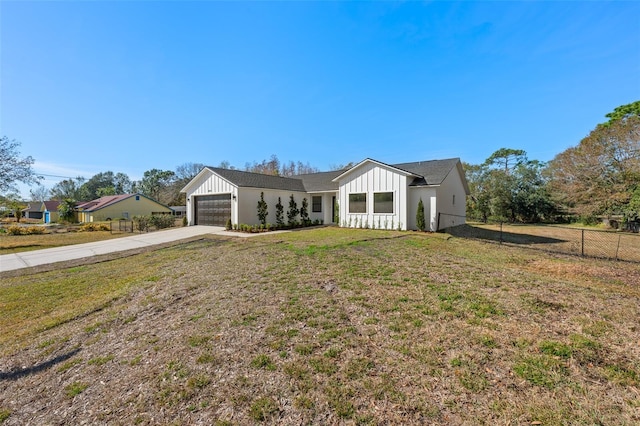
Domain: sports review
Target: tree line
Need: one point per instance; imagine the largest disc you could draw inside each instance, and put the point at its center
(599, 176)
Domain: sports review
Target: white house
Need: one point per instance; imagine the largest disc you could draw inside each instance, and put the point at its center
(369, 194)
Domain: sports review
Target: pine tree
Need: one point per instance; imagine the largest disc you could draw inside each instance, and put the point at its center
(279, 213)
(420, 216)
(262, 210)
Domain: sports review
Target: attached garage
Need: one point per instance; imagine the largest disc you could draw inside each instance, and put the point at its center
(212, 210)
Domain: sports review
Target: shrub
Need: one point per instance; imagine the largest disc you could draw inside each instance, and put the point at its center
(185, 222)
(228, 225)
(420, 222)
(304, 212)
(262, 210)
(161, 221)
(90, 227)
(35, 230)
(292, 212)
(279, 214)
(141, 223)
(15, 230)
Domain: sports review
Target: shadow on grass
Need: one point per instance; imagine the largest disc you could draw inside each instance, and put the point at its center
(17, 373)
(468, 231)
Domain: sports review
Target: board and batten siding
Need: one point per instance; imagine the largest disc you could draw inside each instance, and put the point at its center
(369, 179)
(210, 183)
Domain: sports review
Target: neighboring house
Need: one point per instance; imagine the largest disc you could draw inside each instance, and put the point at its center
(32, 211)
(47, 211)
(113, 207)
(371, 193)
(179, 211)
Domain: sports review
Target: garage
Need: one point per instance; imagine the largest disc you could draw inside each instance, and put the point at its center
(213, 210)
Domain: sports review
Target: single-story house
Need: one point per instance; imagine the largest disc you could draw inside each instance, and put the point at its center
(47, 211)
(113, 207)
(369, 194)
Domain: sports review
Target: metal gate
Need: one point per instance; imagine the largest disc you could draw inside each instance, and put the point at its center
(213, 210)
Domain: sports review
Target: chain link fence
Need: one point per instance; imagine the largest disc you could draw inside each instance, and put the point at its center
(616, 245)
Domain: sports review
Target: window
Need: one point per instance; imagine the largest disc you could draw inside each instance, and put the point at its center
(137, 198)
(316, 204)
(383, 202)
(358, 203)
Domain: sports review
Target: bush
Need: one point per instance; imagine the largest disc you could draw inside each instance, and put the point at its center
(15, 230)
(228, 226)
(35, 230)
(90, 227)
(161, 221)
(142, 223)
(185, 222)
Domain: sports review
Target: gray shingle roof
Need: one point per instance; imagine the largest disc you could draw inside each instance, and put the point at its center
(258, 180)
(315, 182)
(434, 171)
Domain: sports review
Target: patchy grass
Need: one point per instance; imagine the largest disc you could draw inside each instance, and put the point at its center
(325, 326)
(19, 243)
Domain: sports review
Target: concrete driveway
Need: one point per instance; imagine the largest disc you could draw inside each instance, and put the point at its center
(10, 262)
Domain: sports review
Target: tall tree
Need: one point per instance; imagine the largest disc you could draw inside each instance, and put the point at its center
(39, 193)
(600, 174)
(68, 188)
(156, 184)
(13, 167)
(508, 186)
(622, 112)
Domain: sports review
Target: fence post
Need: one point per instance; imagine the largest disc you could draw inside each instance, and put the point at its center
(438, 223)
(582, 244)
(618, 248)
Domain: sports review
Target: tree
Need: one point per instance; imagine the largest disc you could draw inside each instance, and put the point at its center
(262, 210)
(68, 188)
(121, 184)
(600, 174)
(622, 112)
(292, 212)
(304, 212)
(13, 168)
(156, 184)
(40, 193)
(66, 210)
(506, 159)
(14, 203)
(420, 222)
(279, 213)
(266, 167)
(508, 186)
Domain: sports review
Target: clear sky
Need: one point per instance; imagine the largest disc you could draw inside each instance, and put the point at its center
(129, 86)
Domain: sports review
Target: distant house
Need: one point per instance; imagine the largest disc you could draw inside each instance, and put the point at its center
(47, 211)
(179, 211)
(371, 193)
(113, 207)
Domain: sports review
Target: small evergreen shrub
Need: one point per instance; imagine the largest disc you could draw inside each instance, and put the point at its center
(263, 211)
(420, 222)
(228, 226)
(279, 214)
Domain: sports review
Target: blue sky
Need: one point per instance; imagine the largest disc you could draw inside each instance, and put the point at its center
(130, 86)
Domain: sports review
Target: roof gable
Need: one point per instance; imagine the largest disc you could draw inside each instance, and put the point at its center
(110, 200)
(394, 168)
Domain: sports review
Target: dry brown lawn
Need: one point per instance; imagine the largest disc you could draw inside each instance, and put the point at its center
(19, 243)
(325, 326)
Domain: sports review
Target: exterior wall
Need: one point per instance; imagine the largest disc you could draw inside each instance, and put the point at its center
(326, 215)
(452, 201)
(369, 179)
(210, 184)
(52, 216)
(246, 205)
(429, 201)
(126, 208)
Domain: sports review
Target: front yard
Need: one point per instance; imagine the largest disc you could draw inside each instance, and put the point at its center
(324, 326)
